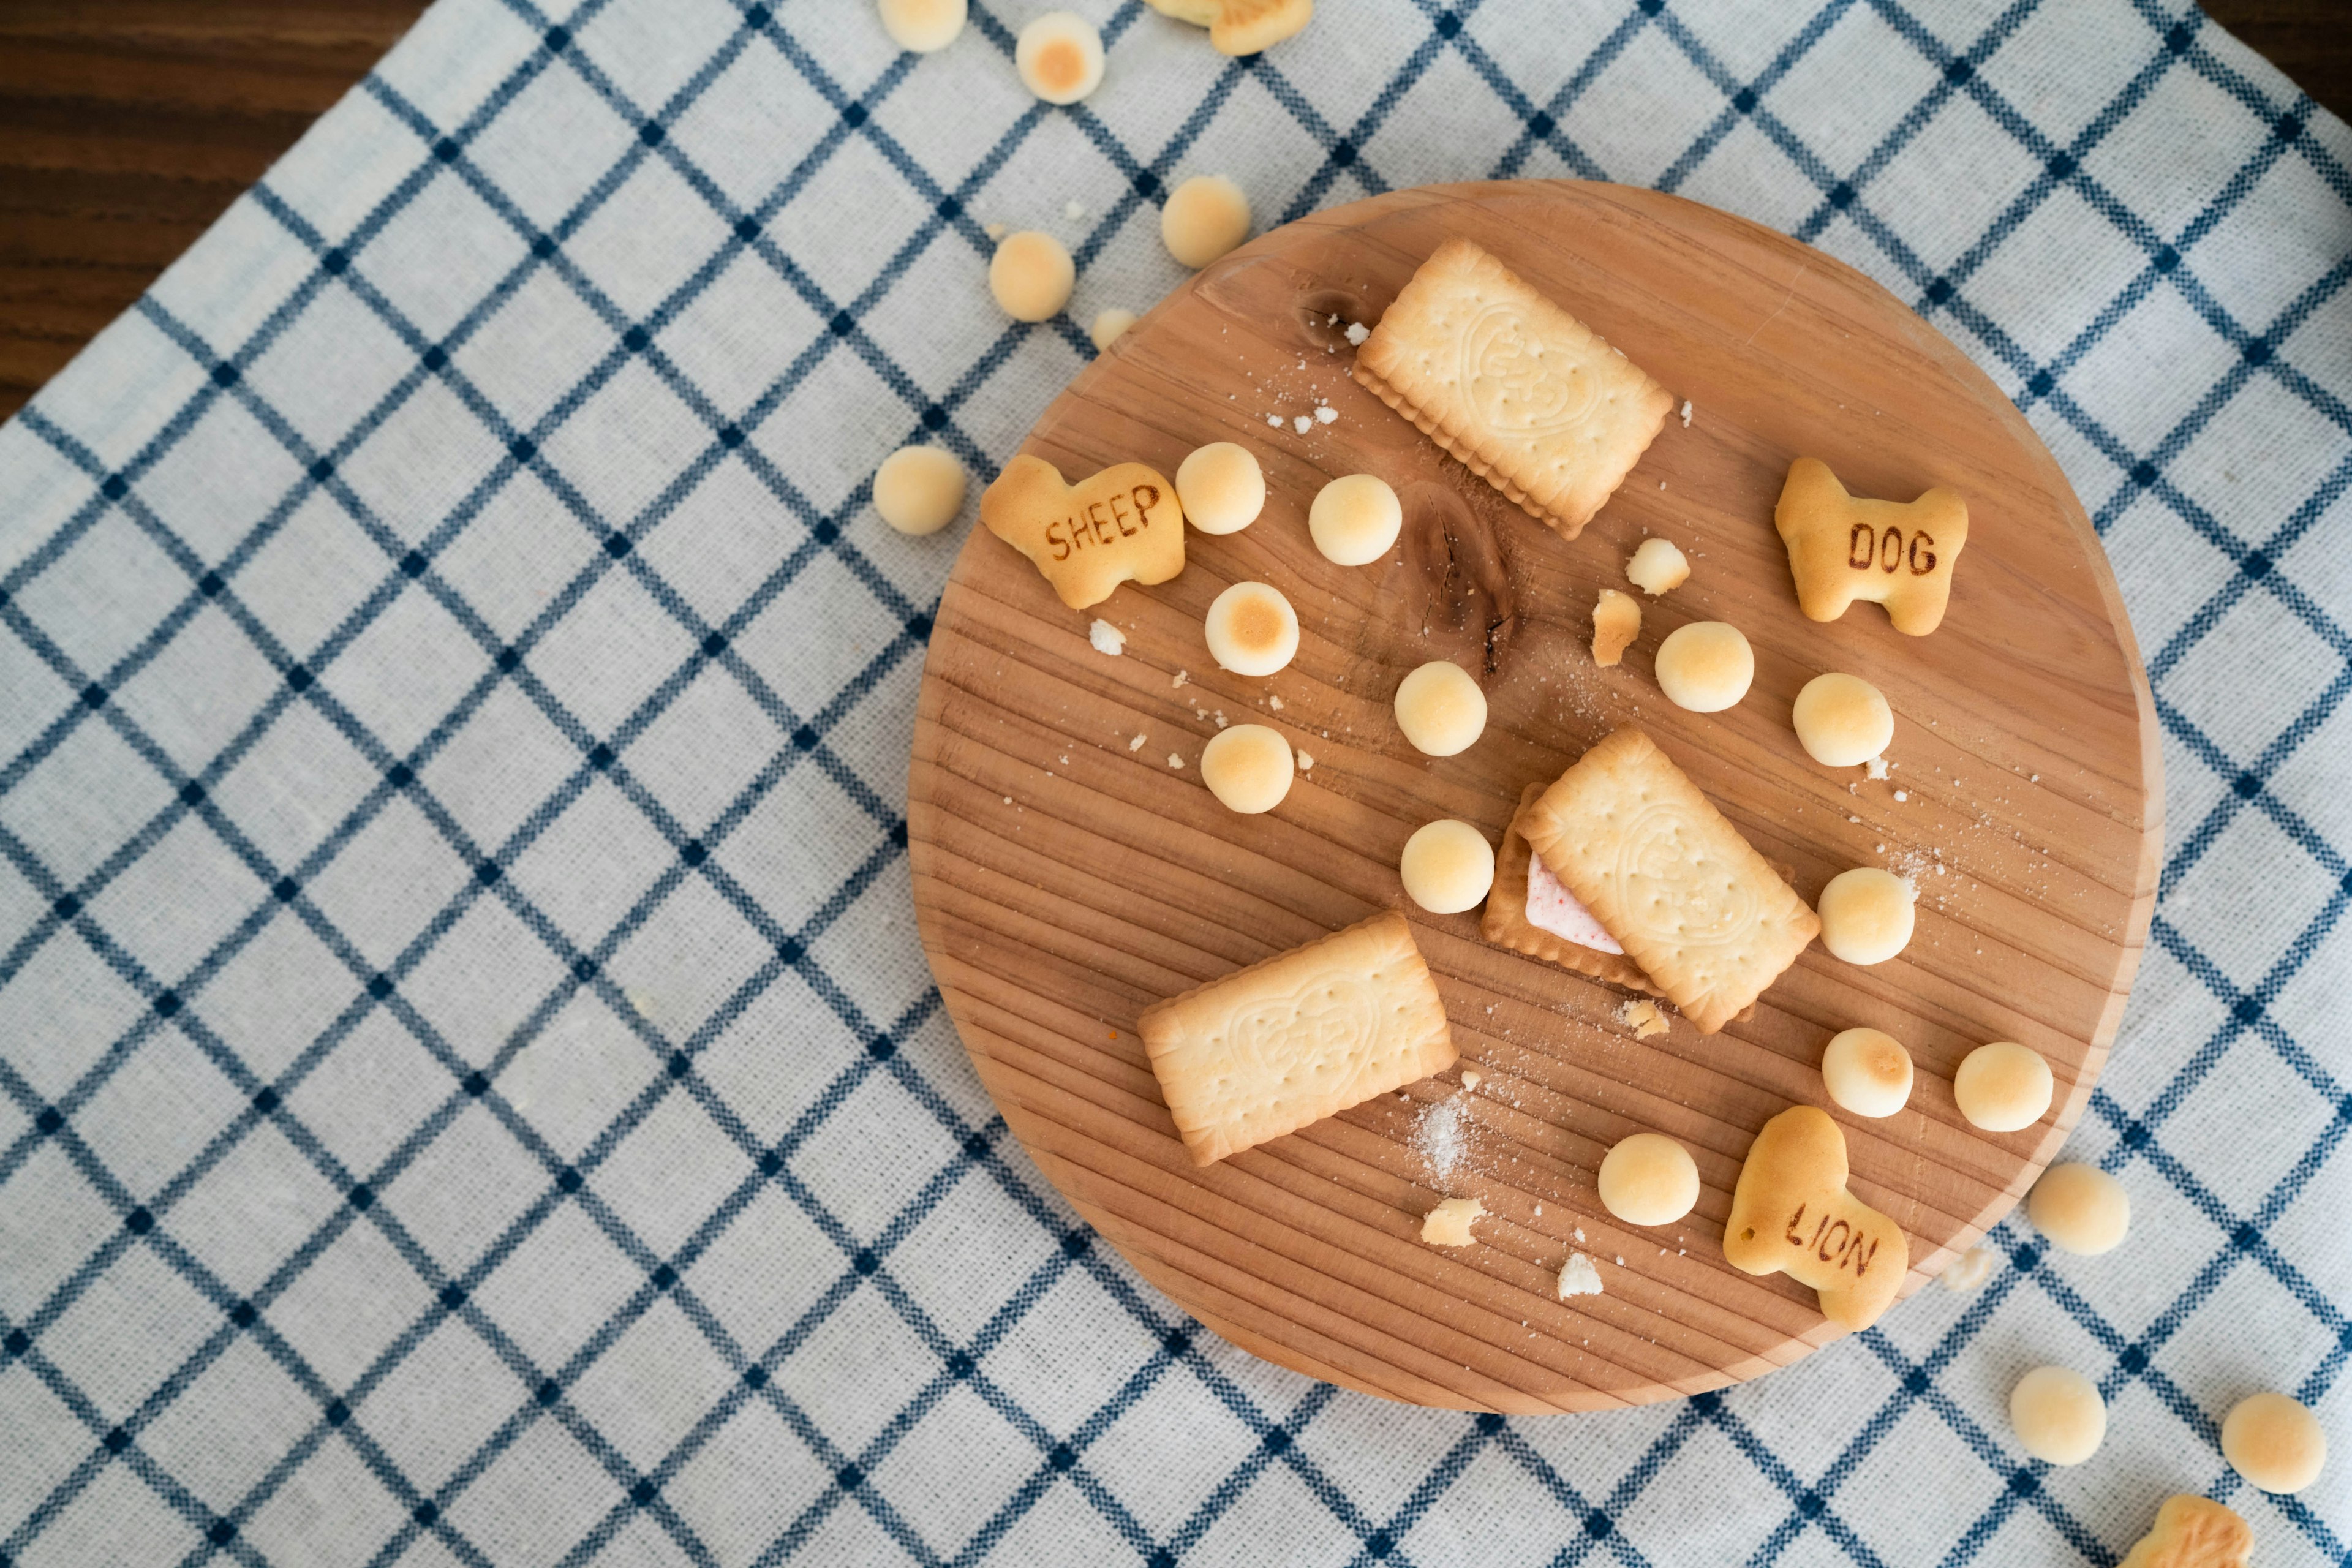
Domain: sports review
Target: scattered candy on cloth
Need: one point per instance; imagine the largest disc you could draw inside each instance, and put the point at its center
(469, 1088)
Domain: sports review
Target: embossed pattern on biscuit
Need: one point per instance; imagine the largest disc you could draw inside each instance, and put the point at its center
(1845, 547)
(1289, 1041)
(1122, 524)
(1520, 391)
(1791, 1214)
(1707, 918)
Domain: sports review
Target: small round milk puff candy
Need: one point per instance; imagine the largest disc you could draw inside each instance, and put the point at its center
(2003, 1087)
(1205, 216)
(1705, 666)
(1440, 709)
(1031, 275)
(1649, 1179)
(1248, 767)
(1867, 1072)
(919, 489)
(1447, 866)
(1221, 488)
(1252, 629)
(2081, 1208)
(1843, 721)
(1355, 519)
(2059, 1416)
(1866, 914)
(1109, 326)
(1060, 57)
(921, 27)
(1657, 566)
(2274, 1442)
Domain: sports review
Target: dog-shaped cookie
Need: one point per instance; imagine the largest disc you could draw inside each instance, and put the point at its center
(2193, 1532)
(1842, 548)
(1125, 523)
(1791, 1214)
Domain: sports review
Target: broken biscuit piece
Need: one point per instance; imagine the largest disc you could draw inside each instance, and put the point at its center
(1523, 394)
(1448, 1225)
(1241, 26)
(1843, 547)
(1298, 1037)
(1616, 622)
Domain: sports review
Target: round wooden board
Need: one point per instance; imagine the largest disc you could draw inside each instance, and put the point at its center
(1065, 878)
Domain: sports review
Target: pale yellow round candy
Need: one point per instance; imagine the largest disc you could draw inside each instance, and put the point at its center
(1440, 709)
(1109, 326)
(1252, 629)
(1447, 866)
(1248, 767)
(1843, 721)
(2059, 1416)
(1649, 1179)
(1705, 666)
(1867, 1072)
(2003, 1087)
(1355, 519)
(922, 27)
(1658, 566)
(2081, 1208)
(1221, 488)
(2274, 1442)
(1031, 275)
(1060, 57)
(1866, 915)
(1205, 216)
(919, 489)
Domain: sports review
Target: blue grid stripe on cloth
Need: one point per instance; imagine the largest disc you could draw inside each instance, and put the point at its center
(1365, 124)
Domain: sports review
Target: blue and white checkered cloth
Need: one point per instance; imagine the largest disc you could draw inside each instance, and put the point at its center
(470, 1089)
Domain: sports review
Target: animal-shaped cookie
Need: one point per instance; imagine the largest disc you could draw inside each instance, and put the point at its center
(1241, 26)
(1123, 523)
(1842, 548)
(1791, 1214)
(2193, 1532)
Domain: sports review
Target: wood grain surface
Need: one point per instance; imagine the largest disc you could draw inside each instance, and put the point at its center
(1066, 876)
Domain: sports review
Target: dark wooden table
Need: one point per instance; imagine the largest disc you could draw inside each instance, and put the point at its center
(127, 125)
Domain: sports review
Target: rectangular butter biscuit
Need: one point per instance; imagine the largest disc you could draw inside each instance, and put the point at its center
(1299, 1037)
(1523, 394)
(1505, 922)
(1690, 900)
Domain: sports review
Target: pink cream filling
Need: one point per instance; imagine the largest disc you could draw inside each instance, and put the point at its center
(1552, 906)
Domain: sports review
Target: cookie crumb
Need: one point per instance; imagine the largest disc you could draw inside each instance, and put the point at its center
(1106, 639)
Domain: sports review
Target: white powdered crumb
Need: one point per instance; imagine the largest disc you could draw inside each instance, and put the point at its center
(1182, 677)
(1687, 413)
(1275, 704)
(1471, 1077)
(1008, 800)
(1333, 321)
(1075, 212)
(1875, 768)
(1220, 717)
(1879, 849)
(1065, 759)
(1302, 425)
(1358, 332)
(1902, 795)
(1620, 1261)
(2035, 779)
(1106, 639)
(1853, 819)
(1136, 744)
(1580, 1233)
(1174, 760)
(1539, 1211)
(1438, 1138)
(993, 230)
(1939, 868)
(1579, 1278)
(1306, 762)
(1274, 420)
(1326, 415)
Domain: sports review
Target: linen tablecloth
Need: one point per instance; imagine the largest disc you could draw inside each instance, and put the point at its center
(469, 1089)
